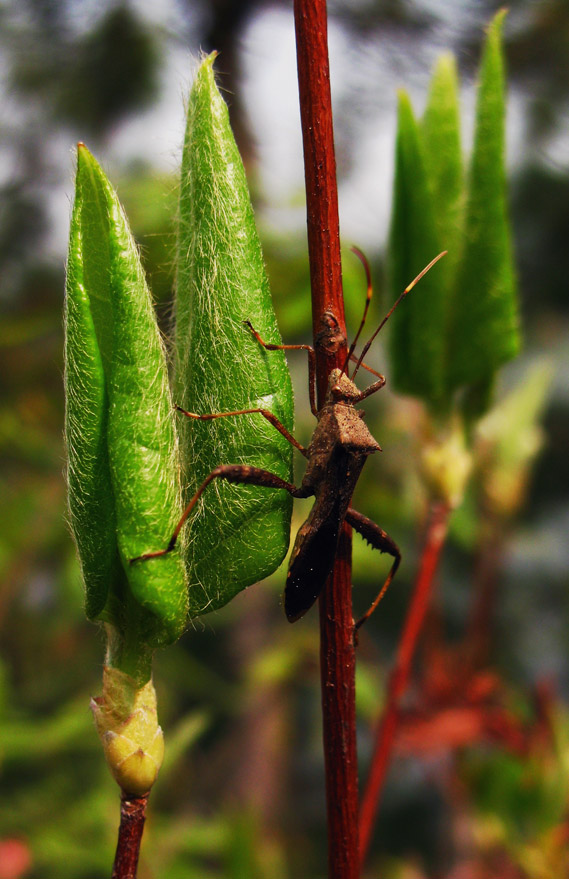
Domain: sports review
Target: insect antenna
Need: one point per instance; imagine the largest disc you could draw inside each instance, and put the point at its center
(393, 307)
(363, 259)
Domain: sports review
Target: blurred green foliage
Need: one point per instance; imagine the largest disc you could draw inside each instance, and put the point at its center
(462, 324)
(107, 72)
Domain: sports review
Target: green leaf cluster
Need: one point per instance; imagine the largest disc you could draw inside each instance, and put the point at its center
(461, 325)
(124, 465)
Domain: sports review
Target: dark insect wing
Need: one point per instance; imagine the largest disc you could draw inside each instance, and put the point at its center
(311, 563)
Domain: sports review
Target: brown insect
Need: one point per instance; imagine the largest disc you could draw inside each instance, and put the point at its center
(336, 455)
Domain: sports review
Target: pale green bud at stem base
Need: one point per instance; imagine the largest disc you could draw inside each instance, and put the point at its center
(127, 723)
(446, 465)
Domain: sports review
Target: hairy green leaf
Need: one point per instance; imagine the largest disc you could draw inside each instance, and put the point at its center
(238, 534)
(440, 129)
(91, 501)
(124, 491)
(484, 332)
(461, 323)
(416, 342)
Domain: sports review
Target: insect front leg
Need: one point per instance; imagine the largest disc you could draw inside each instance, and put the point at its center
(354, 359)
(238, 473)
(311, 362)
(376, 386)
(380, 540)
(264, 412)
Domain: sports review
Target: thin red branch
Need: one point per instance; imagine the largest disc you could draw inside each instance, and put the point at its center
(434, 541)
(337, 655)
(486, 574)
(133, 815)
(323, 226)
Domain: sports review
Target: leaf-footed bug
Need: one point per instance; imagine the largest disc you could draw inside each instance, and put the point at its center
(337, 452)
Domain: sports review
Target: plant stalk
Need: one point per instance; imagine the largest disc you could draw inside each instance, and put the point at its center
(337, 654)
(437, 526)
(133, 815)
(486, 574)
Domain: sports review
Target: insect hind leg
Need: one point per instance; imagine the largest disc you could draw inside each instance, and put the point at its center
(380, 540)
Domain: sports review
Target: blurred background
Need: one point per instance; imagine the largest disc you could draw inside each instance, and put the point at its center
(241, 793)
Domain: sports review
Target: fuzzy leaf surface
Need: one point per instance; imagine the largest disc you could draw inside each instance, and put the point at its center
(124, 490)
(461, 323)
(417, 350)
(484, 332)
(238, 534)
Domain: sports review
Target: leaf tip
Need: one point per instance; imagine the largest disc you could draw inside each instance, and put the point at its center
(83, 152)
(205, 68)
(86, 161)
(446, 68)
(498, 20)
(405, 108)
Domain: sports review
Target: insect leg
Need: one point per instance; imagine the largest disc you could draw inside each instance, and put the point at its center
(380, 540)
(233, 473)
(363, 259)
(354, 359)
(376, 386)
(311, 362)
(264, 412)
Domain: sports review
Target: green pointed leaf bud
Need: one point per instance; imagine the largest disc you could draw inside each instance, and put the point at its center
(124, 493)
(484, 332)
(461, 324)
(440, 129)
(416, 341)
(239, 534)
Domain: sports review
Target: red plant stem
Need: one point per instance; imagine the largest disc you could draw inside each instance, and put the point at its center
(133, 815)
(437, 526)
(486, 573)
(323, 226)
(337, 654)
